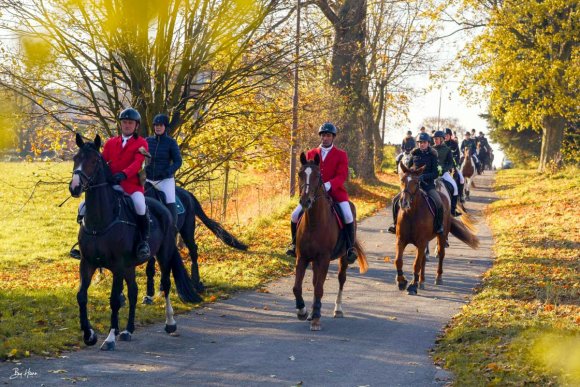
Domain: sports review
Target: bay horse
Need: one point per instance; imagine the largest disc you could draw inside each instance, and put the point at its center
(318, 241)
(415, 226)
(467, 170)
(107, 239)
(186, 227)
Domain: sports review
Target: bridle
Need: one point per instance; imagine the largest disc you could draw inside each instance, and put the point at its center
(411, 194)
(86, 181)
(307, 187)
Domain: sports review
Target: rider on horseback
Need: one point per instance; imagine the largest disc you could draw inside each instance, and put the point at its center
(165, 161)
(446, 163)
(426, 156)
(125, 161)
(469, 143)
(454, 146)
(407, 146)
(334, 171)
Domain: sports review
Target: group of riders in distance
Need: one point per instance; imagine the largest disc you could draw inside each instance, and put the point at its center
(121, 228)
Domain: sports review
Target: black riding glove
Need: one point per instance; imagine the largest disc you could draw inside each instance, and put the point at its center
(118, 177)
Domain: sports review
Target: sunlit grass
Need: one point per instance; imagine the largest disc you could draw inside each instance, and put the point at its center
(38, 280)
(523, 325)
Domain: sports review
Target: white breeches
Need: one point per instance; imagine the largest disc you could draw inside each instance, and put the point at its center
(167, 186)
(461, 178)
(344, 206)
(137, 197)
(447, 177)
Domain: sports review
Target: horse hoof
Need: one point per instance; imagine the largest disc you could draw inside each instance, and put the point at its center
(403, 285)
(315, 325)
(421, 286)
(309, 317)
(412, 290)
(125, 336)
(302, 317)
(147, 300)
(92, 339)
(170, 328)
(438, 281)
(338, 314)
(108, 346)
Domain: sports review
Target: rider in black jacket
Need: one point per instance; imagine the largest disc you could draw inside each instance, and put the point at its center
(426, 156)
(165, 161)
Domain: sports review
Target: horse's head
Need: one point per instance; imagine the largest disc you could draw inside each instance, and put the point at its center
(410, 185)
(310, 180)
(466, 152)
(87, 163)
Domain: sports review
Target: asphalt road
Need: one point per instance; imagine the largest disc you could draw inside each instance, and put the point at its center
(255, 339)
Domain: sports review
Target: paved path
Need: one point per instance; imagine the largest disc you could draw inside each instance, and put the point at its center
(255, 339)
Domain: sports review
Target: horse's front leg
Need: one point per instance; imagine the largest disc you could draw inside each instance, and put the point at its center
(115, 304)
(320, 270)
(342, 266)
(401, 280)
(150, 271)
(301, 265)
(86, 273)
(417, 266)
(132, 291)
(441, 256)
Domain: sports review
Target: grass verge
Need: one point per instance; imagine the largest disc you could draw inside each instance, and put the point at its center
(523, 325)
(38, 281)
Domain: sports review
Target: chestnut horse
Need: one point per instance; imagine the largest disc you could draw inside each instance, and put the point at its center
(467, 170)
(415, 226)
(318, 240)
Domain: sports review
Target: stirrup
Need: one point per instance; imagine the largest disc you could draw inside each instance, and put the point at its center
(291, 252)
(351, 256)
(143, 251)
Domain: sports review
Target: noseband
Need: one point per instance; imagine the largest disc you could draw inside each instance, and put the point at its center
(307, 185)
(87, 181)
(411, 194)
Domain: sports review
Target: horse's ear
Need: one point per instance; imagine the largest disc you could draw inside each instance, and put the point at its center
(403, 167)
(98, 142)
(302, 158)
(79, 140)
(317, 159)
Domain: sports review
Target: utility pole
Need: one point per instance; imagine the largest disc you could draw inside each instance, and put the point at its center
(439, 114)
(294, 132)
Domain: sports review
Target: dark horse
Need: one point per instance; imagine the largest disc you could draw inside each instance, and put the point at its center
(318, 240)
(186, 227)
(415, 226)
(107, 239)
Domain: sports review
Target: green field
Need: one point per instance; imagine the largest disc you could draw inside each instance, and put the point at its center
(38, 280)
(523, 325)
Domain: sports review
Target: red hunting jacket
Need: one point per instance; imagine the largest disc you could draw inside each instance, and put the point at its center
(127, 160)
(334, 169)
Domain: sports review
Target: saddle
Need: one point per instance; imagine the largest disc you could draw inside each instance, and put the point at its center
(430, 202)
(160, 196)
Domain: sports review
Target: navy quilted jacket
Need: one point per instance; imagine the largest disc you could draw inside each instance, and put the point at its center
(165, 157)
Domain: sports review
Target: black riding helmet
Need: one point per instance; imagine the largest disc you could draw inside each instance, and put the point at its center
(161, 119)
(448, 131)
(439, 133)
(327, 127)
(130, 114)
(423, 137)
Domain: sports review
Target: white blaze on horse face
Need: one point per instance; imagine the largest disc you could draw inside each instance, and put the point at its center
(76, 180)
(308, 172)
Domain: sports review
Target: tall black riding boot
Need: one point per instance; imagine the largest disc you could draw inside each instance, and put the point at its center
(143, 252)
(350, 250)
(460, 188)
(454, 206)
(172, 207)
(439, 220)
(292, 249)
(395, 208)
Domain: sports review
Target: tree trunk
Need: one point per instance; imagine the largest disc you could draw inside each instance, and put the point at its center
(349, 76)
(552, 137)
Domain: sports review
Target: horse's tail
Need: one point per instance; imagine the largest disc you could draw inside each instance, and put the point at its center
(462, 232)
(217, 228)
(363, 265)
(467, 218)
(183, 284)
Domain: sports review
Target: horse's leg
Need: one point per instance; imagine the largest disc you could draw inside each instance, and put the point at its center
(187, 233)
(301, 311)
(170, 323)
(417, 265)
(401, 280)
(150, 271)
(320, 268)
(427, 252)
(132, 291)
(115, 304)
(441, 256)
(86, 273)
(342, 266)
